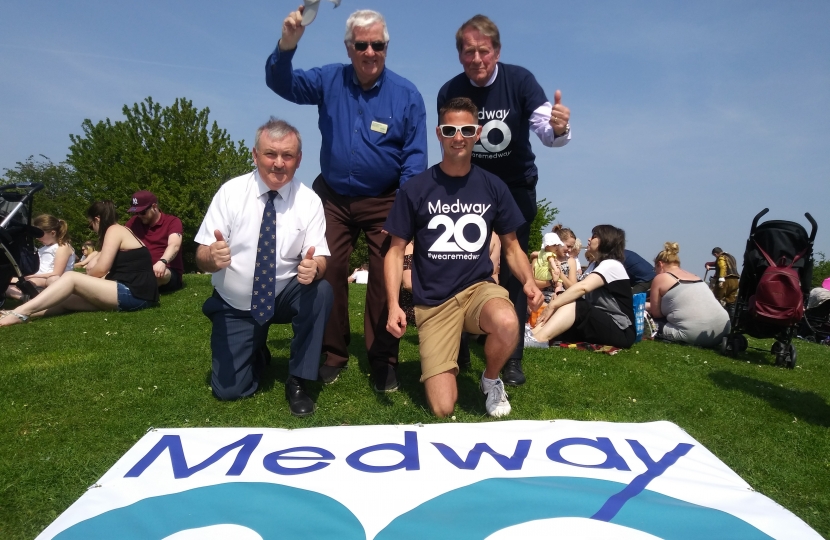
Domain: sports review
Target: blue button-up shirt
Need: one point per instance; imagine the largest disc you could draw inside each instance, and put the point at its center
(373, 140)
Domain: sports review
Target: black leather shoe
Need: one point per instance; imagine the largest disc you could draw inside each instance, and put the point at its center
(384, 378)
(298, 401)
(264, 355)
(329, 374)
(512, 374)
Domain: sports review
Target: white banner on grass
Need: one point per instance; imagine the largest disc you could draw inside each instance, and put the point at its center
(495, 480)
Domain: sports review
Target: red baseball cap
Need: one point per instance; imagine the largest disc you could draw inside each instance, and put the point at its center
(141, 201)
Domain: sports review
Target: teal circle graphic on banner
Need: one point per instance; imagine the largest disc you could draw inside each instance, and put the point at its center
(471, 512)
(481, 509)
(271, 510)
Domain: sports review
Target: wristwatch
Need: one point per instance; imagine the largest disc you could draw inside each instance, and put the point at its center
(165, 262)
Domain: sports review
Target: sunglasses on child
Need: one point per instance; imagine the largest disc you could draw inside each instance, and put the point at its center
(449, 131)
(377, 46)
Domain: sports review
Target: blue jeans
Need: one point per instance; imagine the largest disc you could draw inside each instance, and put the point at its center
(128, 302)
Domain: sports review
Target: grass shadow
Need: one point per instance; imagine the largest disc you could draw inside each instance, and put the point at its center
(805, 406)
(757, 355)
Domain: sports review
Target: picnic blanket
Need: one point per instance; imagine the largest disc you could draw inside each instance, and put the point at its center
(583, 346)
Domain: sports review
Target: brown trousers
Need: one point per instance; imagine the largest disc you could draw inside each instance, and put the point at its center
(729, 292)
(345, 218)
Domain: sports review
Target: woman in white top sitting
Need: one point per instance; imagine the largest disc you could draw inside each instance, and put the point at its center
(360, 275)
(682, 304)
(599, 309)
(56, 254)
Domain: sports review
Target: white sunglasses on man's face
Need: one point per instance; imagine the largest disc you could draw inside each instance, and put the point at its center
(449, 131)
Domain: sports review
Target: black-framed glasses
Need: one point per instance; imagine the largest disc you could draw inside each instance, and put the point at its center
(377, 46)
(449, 131)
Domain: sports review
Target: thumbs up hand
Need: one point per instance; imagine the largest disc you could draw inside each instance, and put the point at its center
(559, 115)
(220, 252)
(307, 270)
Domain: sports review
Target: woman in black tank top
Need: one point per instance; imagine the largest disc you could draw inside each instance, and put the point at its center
(120, 278)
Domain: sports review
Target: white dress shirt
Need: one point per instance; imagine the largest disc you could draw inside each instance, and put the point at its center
(236, 211)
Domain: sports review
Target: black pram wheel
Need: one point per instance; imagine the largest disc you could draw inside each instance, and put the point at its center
(792, 356)
(779, 350)
(742, 343)
(727, 346)
(734, 347)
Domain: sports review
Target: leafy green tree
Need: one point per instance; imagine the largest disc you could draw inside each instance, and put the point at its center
(62, 196)
(545, 215)
(172, 151)
(360, 255)
(821, 269)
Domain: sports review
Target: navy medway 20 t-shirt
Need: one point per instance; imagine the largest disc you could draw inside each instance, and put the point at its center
(451, 219)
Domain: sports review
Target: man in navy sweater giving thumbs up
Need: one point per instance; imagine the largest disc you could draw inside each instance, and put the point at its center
(264, 240)
(511, 104)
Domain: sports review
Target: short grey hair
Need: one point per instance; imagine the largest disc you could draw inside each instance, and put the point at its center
(364, 18)
(278, 129)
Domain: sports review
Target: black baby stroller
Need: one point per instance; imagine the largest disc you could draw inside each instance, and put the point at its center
(815, 326)
(778, 266)
(18, 256)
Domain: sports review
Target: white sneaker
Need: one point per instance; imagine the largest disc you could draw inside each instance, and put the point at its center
(531, 342)
(496, 399)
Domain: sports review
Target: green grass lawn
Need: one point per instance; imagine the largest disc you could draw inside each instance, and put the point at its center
(77, 391)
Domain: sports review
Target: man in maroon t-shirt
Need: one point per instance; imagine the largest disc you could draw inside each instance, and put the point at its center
(162, 234)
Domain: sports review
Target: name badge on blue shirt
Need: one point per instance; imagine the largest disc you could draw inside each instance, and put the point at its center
(380, 128)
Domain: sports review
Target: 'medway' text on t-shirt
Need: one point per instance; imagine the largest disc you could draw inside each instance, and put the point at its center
(451, 220)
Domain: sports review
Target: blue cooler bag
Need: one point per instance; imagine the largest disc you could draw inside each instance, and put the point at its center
(639, 315)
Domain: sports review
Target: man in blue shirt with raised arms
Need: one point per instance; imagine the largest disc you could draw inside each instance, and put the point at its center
(451, 210)
(511, 104)
(373, 127)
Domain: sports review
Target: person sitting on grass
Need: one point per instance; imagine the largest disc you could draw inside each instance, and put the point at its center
(89, 254)
(56, 255)
(360, 275)
(547, 272)
(562, 267)
(566, 263)
(129, 283)
(639, 271)
(451, 282)
(682, 304)
(599, 309)
(575, 256)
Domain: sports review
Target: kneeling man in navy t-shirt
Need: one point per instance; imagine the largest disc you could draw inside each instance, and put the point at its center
(450, 210)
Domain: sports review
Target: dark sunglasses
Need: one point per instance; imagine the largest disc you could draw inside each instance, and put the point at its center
(377, 46)
(144, 212)
(467, 131)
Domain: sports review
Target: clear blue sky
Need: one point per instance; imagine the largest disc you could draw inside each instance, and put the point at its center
(688, 117)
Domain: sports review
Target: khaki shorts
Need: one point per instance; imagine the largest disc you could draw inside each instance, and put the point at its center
(440, 327)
